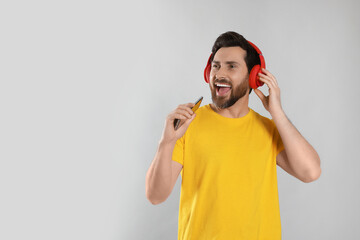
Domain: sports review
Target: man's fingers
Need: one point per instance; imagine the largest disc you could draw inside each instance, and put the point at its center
(267, 72)
(188, 121)
(260, 94)
(178, 116)
(185, 112)
(267, 81)
(190, 105)
(186, 108)
(187, 105)
(270, 75)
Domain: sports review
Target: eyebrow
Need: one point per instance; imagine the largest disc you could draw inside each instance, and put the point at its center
(228, 62)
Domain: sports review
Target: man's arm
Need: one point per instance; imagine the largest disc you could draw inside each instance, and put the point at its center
(162, 174)
(299, 158)
(163, 171)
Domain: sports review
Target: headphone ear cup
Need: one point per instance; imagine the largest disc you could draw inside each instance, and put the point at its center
(254, 81)
(207, 72)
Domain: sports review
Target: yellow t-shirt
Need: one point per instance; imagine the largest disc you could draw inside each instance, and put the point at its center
(229, 182)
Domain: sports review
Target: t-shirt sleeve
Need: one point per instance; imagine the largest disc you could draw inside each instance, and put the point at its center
(277, 141)
(178, 152)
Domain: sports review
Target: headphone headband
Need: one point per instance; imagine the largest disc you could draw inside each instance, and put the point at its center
(262, 60)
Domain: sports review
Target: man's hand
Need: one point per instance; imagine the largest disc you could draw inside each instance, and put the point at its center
(272, 102)
(185, 114)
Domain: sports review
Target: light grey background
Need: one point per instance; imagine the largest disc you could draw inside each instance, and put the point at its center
(86, 86)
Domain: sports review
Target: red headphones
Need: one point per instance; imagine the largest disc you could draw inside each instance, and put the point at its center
(254, 81)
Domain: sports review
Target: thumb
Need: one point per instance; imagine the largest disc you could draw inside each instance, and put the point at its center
(259, 94)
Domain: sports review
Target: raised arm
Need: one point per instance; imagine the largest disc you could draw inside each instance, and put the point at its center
(163, 172)
(299, 158)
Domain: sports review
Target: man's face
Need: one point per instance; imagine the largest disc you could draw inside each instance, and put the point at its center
(229, 69)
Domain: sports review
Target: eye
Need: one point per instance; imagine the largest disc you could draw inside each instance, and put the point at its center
(214, 66)
(232, 66)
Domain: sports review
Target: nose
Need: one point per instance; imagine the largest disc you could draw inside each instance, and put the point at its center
(220, 73)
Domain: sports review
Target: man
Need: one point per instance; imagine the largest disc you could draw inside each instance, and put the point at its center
(227, 153)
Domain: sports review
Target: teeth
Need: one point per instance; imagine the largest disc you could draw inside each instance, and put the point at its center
(221, 85)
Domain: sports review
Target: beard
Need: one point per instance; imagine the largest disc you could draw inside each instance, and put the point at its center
(222, 102)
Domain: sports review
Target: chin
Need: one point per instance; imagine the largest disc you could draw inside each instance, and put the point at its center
(222, 103)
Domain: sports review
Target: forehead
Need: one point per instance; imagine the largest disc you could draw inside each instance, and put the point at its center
(225, 54)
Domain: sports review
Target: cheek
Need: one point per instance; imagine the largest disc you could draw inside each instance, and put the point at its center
(241, 76)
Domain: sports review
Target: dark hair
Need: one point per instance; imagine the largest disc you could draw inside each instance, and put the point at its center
(233, 39)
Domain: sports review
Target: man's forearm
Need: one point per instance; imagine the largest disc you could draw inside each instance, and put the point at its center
(159, 175)
(302, 157)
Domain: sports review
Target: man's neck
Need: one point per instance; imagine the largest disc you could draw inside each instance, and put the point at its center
(238, 110)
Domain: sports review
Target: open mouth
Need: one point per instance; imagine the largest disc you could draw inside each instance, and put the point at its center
(222, 89)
